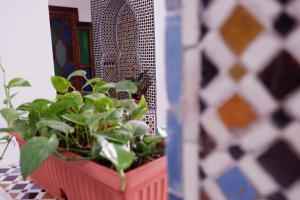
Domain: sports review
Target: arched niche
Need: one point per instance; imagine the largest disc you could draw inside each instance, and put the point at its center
(124, 43)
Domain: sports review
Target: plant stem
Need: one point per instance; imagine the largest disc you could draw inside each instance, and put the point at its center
(6, 147)
(6, 130)
(67, 141)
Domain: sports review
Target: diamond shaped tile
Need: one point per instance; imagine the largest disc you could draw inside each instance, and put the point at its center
(30, 195)
(240, 29)
(283, 1)
(281, 119)
(206, 144)
(281, 162)
(277, 196)
(237, 72)
(209, 71)
(202, 173)
(19, 187)
(284, 24)
(282, 75)
(236, 152)
(237, 113)
(206, 3)
(204, 30)
(236, 186)
(202, 105)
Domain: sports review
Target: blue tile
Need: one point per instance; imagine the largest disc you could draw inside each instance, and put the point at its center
(174, 197)
(173, 4)
(236, 186)
(174, 151)
(174, 58)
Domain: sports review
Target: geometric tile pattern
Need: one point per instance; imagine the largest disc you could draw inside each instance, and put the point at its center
(13, 184)
(248, 95)
(124, 41)
(253, 128)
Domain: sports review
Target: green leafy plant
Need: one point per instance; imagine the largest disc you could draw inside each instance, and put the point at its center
(96, 127)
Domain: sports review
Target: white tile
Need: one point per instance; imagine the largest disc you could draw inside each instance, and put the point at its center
(190, 113)
(218, 91)
(260, 52)
(293, 9)
(216, 163)
(259, 136)
(190, 22)
(257, 176)
(4, 195)
(213, 190)
(215, 128)
(293, 44)
(190, 169)
(292, 134)
(265, 10)
(215, 48)
(218, 12)
(292, 104)
(294, 192)
(256, 94)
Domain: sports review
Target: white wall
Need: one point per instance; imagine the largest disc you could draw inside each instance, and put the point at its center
(162, 102)
(84, 7)
(25, 49)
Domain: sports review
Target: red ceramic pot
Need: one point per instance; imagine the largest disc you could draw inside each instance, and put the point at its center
(87, 180)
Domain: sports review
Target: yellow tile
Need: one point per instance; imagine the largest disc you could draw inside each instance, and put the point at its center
(240, 29)
(237, 72)
(237, 113)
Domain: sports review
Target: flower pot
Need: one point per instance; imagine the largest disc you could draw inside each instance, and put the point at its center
(78, 180)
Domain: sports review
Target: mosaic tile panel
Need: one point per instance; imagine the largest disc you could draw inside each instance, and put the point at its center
(248, 93)
(247, 130)
(124, 38)
(13, 184)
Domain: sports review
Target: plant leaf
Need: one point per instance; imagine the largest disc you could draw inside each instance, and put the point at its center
(153, 139)
(126, 86)
(119, 155)
(91, 82)
(140, 111)
(36, 151)
(138, 128)
(75, 118)
(104, 104)
(10, 114)
(11, 97)
(119, 135)
(18, 82)
(80, 73)
(104, 87)
(60, 84)
(56, 125)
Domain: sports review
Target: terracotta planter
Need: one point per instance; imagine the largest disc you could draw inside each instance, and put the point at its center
(86, 180)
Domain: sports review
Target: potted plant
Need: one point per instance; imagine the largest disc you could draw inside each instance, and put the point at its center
(87, 147)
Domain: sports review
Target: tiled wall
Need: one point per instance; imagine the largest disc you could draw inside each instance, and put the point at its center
(249, 97)
(124, 43)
